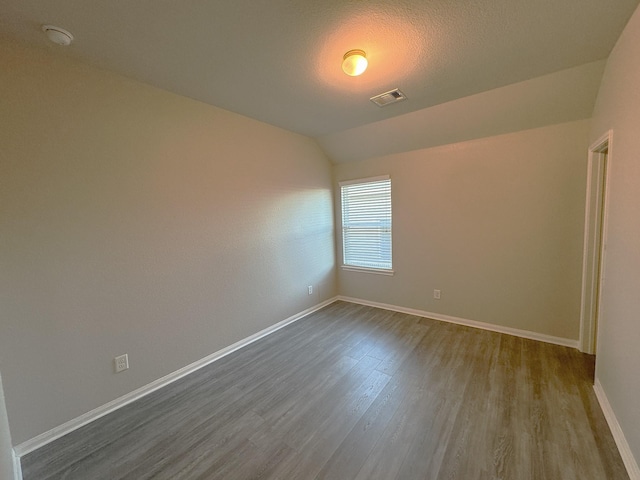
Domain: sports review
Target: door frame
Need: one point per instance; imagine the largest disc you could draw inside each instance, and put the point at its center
(595, 239)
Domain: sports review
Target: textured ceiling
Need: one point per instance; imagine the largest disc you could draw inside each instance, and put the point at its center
(558, 97)
(279, 60)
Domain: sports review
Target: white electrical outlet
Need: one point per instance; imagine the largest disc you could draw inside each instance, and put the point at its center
(436, 294)
(121, 363)
(310, 288)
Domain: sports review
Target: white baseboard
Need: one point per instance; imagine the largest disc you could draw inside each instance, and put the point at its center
(618, 435)
(74, 424)
(565, 342)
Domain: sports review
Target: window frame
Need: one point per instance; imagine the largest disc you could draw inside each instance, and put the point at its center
(359, 268)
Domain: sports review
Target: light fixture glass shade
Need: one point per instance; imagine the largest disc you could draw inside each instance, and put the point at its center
(354, 63)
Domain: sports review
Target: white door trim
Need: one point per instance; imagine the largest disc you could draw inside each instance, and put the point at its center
(593, 259)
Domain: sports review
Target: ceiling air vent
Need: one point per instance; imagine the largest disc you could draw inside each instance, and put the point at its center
(388, 98)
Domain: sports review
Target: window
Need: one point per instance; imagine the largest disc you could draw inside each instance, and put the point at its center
(366, 223)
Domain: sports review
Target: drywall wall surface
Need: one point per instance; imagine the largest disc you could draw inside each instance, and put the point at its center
(618, 352)
(137, 221)
(496, 224)
(6, 456)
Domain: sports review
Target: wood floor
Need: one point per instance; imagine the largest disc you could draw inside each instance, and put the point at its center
(354, 392)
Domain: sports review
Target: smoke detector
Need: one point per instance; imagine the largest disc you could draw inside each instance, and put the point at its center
(58, 35)
(387, 98)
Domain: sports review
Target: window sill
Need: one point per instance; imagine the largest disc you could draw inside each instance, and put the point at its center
(375, 271)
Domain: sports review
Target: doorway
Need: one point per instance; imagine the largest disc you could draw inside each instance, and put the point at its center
(594, 241)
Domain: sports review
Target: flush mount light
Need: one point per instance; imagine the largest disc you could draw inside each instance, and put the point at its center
(58, 35)
(354, 63)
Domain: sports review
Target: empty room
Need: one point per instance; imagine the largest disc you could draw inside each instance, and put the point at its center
(297, 239)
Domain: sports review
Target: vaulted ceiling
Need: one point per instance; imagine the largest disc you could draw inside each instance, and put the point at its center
(278, 61)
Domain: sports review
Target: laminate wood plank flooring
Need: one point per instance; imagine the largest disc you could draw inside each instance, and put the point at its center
(355, 392)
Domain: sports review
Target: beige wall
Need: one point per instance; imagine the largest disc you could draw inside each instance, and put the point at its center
(618, 352)
(138, 221)
(495, 224)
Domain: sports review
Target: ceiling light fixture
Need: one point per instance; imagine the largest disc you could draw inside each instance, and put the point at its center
(354, 63)
(58, 35)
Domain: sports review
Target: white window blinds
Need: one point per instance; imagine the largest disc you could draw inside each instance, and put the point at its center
(366, 223)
